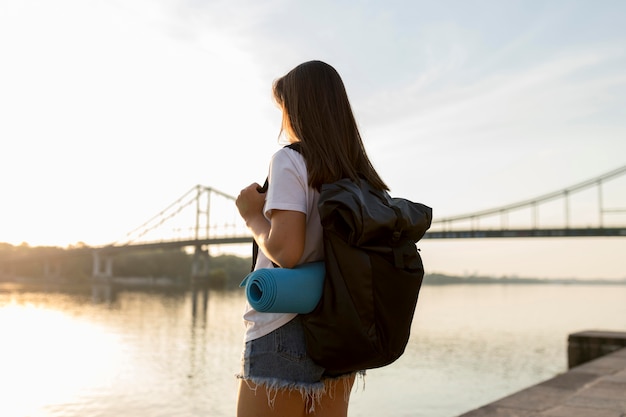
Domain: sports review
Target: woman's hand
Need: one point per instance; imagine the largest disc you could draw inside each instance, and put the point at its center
(250, 202)
(282, 237)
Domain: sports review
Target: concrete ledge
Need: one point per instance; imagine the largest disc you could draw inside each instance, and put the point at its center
(597, 388)
(592, 344)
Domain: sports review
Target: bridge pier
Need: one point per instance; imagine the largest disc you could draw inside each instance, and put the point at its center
(200, 265)
(102, 266)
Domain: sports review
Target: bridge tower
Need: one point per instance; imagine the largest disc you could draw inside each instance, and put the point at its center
(102, 265)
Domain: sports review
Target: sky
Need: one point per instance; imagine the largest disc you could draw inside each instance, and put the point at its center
(112, 109)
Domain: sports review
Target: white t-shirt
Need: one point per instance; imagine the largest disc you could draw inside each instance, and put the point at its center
(288, 190)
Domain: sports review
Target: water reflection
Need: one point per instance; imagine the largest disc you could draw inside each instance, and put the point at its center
(50, 357)
(103, 293)
(110, 351)
(199, 290)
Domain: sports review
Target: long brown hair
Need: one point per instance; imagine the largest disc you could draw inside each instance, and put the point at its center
(317, 112)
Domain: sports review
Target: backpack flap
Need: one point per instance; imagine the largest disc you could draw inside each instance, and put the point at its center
(368, 217)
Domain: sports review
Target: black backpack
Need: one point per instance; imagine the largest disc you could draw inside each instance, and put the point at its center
(374, 273)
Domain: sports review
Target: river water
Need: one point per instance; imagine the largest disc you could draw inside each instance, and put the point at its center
(104, 353)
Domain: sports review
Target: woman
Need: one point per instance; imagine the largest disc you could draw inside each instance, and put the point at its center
(278, 378)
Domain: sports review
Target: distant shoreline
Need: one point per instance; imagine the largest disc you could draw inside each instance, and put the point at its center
(441, 279)
(7, 283)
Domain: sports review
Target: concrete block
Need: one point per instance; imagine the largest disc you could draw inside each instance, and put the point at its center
(565, 411)
(607, 389)
(494, 411)
(613, 404)
(591, 344)
(606, 365)
(536, 398)
(571, 381)
(618, 377)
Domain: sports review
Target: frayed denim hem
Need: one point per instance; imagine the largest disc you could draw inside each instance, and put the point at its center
(312, 393)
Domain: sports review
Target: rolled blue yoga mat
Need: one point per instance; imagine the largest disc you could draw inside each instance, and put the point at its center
(285, 290)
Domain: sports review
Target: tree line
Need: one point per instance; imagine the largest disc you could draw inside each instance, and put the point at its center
(75, 264)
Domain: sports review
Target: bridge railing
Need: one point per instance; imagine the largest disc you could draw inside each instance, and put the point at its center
(593, 204)
(202, 213)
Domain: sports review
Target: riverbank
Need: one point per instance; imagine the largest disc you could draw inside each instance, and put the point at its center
(593, 388)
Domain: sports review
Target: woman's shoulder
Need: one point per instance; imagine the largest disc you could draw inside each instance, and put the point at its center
(287, 156)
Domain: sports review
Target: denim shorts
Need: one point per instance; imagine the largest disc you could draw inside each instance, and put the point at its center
(279, 360)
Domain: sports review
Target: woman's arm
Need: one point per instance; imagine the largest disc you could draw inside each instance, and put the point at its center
(282, 238)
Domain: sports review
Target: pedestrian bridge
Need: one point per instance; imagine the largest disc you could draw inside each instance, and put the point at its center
(204, 217)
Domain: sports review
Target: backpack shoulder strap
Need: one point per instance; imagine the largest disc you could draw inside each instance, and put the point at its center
(296, 146)
(255, 247)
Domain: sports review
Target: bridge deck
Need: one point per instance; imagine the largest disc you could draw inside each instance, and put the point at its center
(519, 233)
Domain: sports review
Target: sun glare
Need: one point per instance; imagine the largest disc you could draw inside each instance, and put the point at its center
(49, 358)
